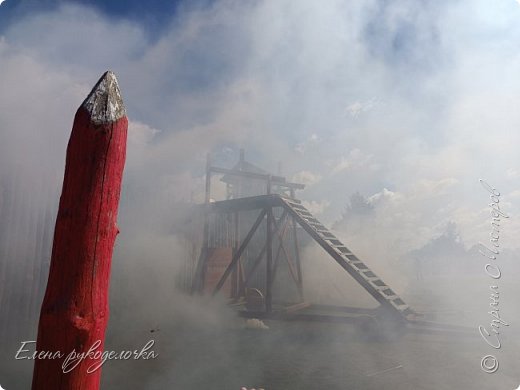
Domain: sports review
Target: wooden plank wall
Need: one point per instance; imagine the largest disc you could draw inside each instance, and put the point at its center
(28, 206)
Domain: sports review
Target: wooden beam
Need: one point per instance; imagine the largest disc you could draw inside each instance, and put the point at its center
(260, 256)
(297, 255)
(297, 307)
(269, 262)
(281, 236)
(247, 203)
(289, 263)
(276, 180)
(74, 312)
(238, 253)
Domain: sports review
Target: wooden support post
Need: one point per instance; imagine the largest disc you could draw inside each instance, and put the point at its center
(74, 312)
(197, 284)
(269, 262)
(297, 254)
(240, 283)
(298, 260)
(233, 243)
(234, 276)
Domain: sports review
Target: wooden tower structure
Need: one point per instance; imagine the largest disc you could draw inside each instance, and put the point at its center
(265, 209)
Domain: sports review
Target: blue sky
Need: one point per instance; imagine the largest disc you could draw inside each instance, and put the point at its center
(408, 102)
(153, 15)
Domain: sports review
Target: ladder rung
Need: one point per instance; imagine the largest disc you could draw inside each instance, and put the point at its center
(388, 292)
(398, 301)
(338, 250)
(316, 226)
(359, 265)
(323, 231)
(326, 234)
(291, 200)
(379, 283)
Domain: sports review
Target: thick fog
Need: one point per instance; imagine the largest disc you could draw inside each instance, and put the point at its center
(389, 112)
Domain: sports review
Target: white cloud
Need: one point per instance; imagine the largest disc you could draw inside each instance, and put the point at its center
(431, 188)
(306, 177)
(309, 143)
(356, 159)
(357, 108)
(514, 194)
(384, 196)
(512, 173)
(317, 208)
(219, 77)
(140, 133)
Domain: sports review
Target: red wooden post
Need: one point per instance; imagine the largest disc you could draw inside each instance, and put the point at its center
(74, 312)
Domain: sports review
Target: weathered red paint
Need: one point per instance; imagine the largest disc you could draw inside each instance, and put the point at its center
(74, 312)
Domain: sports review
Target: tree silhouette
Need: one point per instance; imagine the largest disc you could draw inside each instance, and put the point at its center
(357, 206)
